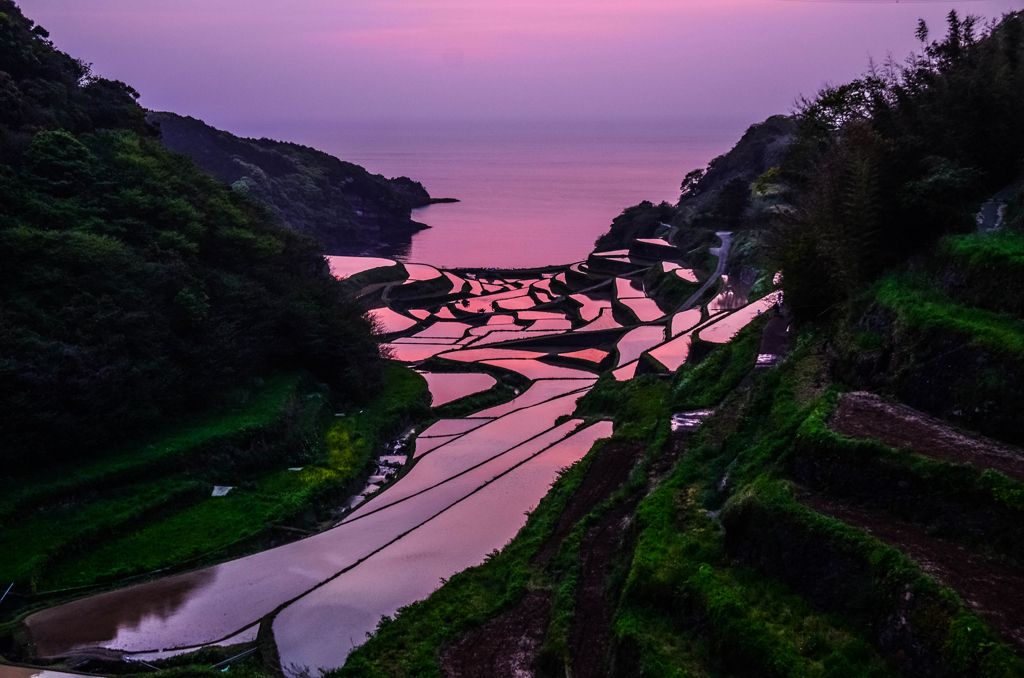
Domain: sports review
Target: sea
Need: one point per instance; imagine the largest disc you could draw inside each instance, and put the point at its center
(531, 193)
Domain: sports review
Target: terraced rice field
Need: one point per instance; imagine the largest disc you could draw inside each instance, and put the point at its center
(444, 496)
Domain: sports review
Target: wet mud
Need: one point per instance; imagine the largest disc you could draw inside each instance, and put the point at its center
(868, 416)
(504, 647)
(995, 592)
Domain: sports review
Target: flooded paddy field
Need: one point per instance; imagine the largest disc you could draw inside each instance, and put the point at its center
(453, 490)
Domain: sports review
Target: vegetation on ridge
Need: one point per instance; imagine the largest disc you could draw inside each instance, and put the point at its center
(340, 204)
(136, 288)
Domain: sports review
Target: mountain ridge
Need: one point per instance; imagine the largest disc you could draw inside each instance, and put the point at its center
(350, 210)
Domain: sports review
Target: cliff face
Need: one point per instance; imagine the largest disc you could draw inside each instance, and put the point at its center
(348, 209)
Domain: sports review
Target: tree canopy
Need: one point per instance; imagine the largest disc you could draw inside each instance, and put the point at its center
(885, 165)
(136, 287)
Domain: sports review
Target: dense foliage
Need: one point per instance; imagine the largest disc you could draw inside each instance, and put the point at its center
(887, 164)
(737, 190)
(337, 202)
(135, 287)
(639, 221)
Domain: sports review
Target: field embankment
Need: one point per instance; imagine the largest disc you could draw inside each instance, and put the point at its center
(149, 508)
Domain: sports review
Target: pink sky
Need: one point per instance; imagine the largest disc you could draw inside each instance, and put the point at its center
(239, 62)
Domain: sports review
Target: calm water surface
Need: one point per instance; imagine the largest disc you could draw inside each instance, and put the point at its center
(531, 193)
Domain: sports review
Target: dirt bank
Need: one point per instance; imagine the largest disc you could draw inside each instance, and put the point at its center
(995, 592)
(868, 416)
(609, 470)
(590, 633)
(504, 647)
(508, 644)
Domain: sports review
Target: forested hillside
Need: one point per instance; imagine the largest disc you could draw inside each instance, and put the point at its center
(868, 200)
(341, 204)
(136, 288)
(882, 240)
(728, 194)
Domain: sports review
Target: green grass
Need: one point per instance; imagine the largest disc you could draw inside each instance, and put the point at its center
(986, 269)
(198, 530)
(925, 310)
(148, 506)
(686, 603)
(637, 406)
(868, 582)
(719, 372)
(250, 409)
(47, 517)
(945, 356)
(681, 579)
(28, 546)
(1001, 251)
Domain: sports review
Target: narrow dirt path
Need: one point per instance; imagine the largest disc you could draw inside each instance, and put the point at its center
(590, 633)
(995, 592)
(868, 416)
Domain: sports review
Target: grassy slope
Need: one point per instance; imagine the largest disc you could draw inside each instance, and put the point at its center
(668, 288)
(149, 506)
(78, 504)
(947, 337)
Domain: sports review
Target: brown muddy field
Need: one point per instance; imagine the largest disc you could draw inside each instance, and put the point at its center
(608, 471)
(868, 416)
(508, 644)
(504, 647)
(995, 592)
(590, 633)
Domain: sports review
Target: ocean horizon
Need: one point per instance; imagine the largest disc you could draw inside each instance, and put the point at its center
(532, 192)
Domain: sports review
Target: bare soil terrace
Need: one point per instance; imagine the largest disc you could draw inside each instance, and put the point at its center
(868, 416)
(995, 592)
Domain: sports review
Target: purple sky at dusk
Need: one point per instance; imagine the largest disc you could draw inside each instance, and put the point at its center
(242, 62)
